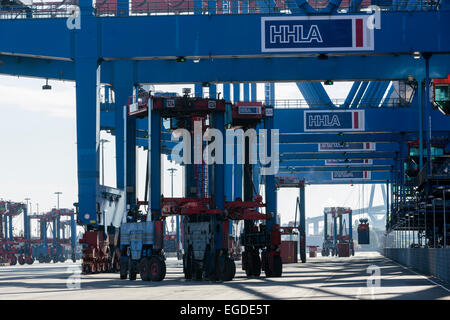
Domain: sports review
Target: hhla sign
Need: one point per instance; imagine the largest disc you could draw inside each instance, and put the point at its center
(212, 152)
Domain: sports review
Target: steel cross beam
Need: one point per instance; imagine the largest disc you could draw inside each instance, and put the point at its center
(337, 155)
(122, 38)
(33, 39)
(228, 70)
(322, 177)
(337, 168)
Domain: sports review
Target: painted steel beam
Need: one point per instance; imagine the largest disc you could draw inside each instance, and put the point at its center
(320, 163)
(276, 69)
(351, 94)
(124, 39)
(121, 37)
(337, 155)
(336, 168)
(322, 177)
(36, 67)
(314, 148)
(372, 137)
(371, 120)
(361, 89)
(330, 138)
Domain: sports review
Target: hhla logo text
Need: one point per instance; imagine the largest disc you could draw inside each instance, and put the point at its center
(208, 147)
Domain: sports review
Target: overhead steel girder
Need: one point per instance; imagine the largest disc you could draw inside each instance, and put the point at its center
(355, 137)
(314, 94)
(334, 138)
(351, 94)
(275, 69)
(336, 168)
(321, 163)
(122, 37)
(345, 68)
(337, 155)
(321, 177)
(374, 120)
(344, 182)
(37, 68)
(314, 148)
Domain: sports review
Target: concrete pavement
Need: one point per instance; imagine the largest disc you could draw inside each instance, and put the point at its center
(364, 276)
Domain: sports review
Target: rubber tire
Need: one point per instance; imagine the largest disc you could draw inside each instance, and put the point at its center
(197, 272)
(229, 270)
(21, 260)
(123, 269)
(256, 262)
(13, 260)
(164, 267)
(145, 269)
(248, 264)
(157, 269)
(132, 269)
(277, 266)
(244, 260)
(29, 260)
(86, 269)
(187, 266)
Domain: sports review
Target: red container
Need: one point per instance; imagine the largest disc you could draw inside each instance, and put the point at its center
(312, 251)
(288, 251)
(343, 249)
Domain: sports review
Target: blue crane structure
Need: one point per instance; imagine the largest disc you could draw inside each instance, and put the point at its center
(121, 45)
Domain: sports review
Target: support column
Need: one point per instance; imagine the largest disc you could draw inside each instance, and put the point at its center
(10, 226)
(155, 164)
(73, 236)
(388, 216)
(229, 168)
(124, 129)
(270, 189)
(236, 92)
(246, 91)
(87, 75)
(227, 91)
(335, 231)
(238, 168)
(198, 90)
(350, 225)
(427, 111)
(213, 91)
(302, 224)
(55, 229)
(131, 160)
(26, 229)
(420, 98)
(219, 186)
(254, 93)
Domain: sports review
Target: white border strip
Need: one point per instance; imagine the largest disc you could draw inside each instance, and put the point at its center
(361, 121)
(368, 34)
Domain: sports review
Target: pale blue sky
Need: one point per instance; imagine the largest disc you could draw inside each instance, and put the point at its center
(38, 148)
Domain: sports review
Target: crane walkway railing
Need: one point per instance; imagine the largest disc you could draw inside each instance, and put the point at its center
(14, 9)
(303, 104)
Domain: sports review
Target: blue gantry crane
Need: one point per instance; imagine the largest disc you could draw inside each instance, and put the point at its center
(364, 139)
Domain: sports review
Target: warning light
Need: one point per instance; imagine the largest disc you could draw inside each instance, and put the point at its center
(181, 59)
(340, 134)
(328, 82)
(206, 85)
